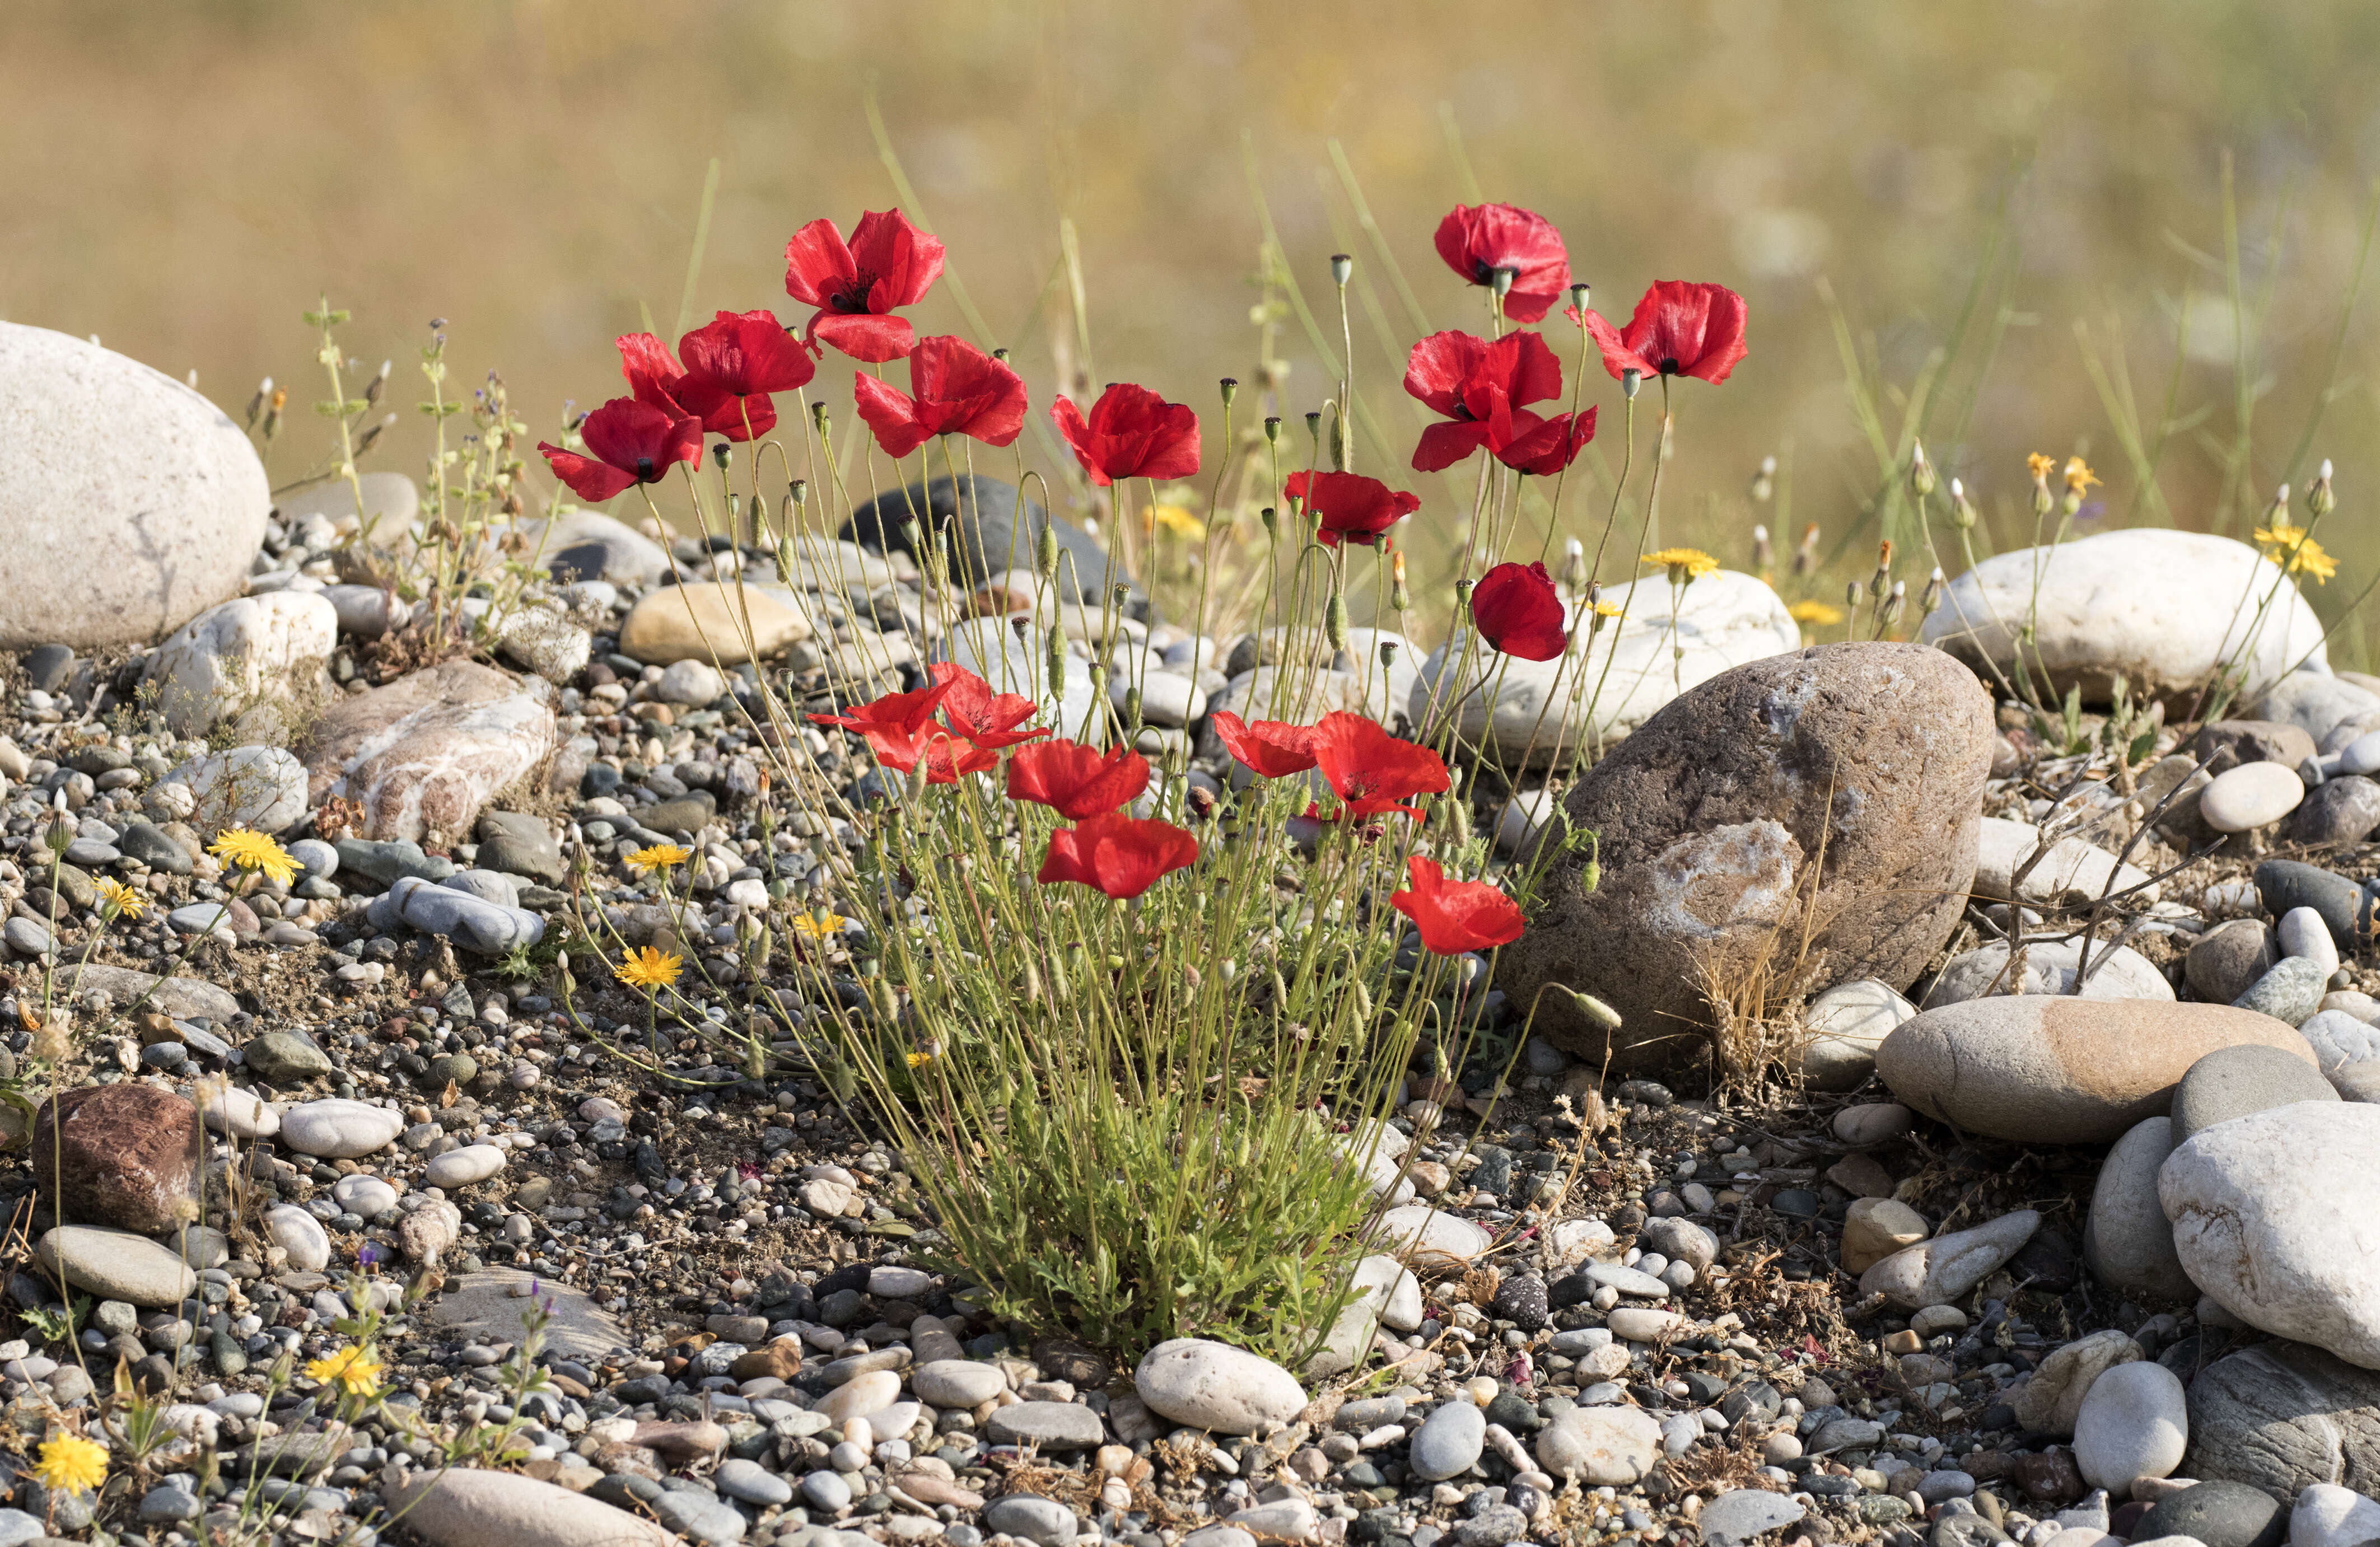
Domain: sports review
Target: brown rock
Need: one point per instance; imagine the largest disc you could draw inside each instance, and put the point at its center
(423, 754)
(1861, 1176)
(697, 1441)
(2054, 1070)
(124, 1154)
(783, 1360)
(1078, 1364)
(2229, 957)
(2050, 1476)
(1874, 1228)
(929, 1489)
(2231, 743)
(1712, 815)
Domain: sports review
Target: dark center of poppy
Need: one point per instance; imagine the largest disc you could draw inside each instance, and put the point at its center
(853, 297)
(645, 469)
(1668, 365)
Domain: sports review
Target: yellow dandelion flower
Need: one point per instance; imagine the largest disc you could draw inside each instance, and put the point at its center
(919, 1061)
(659, 857)
(818, 925)
(254, 851)
(646, 968)
(2079, 477)
(2286, 544)
(1609, 609)
(1684, 563)
(117, 898)
(352, 1369)
(2041, 466)
(1178, 520)
(72, 1464)
(1815, 614)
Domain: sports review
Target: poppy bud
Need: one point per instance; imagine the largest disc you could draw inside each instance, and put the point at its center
(1933, 596)
(1762, 555)
(1334, 620)
(1463, 598)
(1764, 482)
(1272, 430)
(1630, 381)
(1132, 709)
(1272, 521)
(1399, 597)
(1895, 602)
(1363, 1001)
(1962, 510)
(1032, 982)
(1458, 818)
(1121, 594)
(753, 512)
(378, 385)
(1342, 268)
(1057, 661)
(1590, 875)
(1000, 354)
(819, 415)
(1231, 390)
(1595, 1010)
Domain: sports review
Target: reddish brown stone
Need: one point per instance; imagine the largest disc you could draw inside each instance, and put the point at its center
(2050, 1476)
(124, 1154)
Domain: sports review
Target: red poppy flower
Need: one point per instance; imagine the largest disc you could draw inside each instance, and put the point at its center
(1122, 856)
(1517, 611)
(1351, 507)
(898, 724)
(633, 442)
(738, 360)
(1457, 916)
(1478, 385)
(988, 719)
(1076, 780)
(958, 389)
(1545, 447)
(888, 264)
(1132, 433)
(1371, 771)
(1475, 241)
(1679, 330)
(945, 754)
(1271, 748)
(655, 377)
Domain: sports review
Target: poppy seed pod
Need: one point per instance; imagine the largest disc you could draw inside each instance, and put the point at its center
(819, 415)
(1270, 519)
(722, 455)
(1501, 281)
(1388, 655)
(910, 536)
(1578, 295)
(1631, 380)
(1895, 602)
(1000, 354)
(1231, 390)
(1272, 430)
(1343, 267)
(1462, 597)
(1314, 428)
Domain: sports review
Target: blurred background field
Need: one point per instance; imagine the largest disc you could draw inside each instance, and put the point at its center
(2021, 207)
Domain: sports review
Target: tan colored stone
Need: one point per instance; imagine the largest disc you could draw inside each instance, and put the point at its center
(2055, 1070)
(1873, 1228)
(2047, 1403)
(426, 753)
(467, 1507)
(714, 621)
(1711, 815)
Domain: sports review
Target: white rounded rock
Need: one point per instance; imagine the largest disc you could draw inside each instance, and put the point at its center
(957, 1383)
(2251, 796)
(862, 1394)
(340, 1129)
(2133, 1423)
(2303, 933)
(1210, 1385)
(461, 1167)
(132, 502)
(363, 1195)
(240, 1114)
(1416, 1230)
(1939, 1271)
(2050, 968)
(2330, 1516)
(1602, 1447)
(300, 1235)
(1845, 1025)
(2277, 1216)
(250, 659)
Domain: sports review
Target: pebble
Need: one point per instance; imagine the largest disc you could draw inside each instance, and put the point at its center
(300, 1235)
(957, 1383)
(2235, 1082)
(1204, 1385)
(2133, 1423)
(364, 1195)
(1045, 1521)
(462, 1167)
(2291, 992)
(1941, 1270)
(468, 1507)
(1600, 1447)
(2250, 796)
(749, 1481)
(337, 1129)
(1449, 1440)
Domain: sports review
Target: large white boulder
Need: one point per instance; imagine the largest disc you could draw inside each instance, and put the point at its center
(1609, 683)
(131, 505)
(252, 661)
(2163, 609)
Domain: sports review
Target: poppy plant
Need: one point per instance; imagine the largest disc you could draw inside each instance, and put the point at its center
(633, 443)
(1478, 240)
(655, 377)
(739, 359)
(1270, 748)
(1481, 388)
(1122, 856)
(888, 264)
(1075, 781)
(1516, 611)
(988, 719)
(1678, 330)
(1132, 433)
(954, 389)
(1371, 771)
(896, 724)
(1350, 507)
(1456, 916)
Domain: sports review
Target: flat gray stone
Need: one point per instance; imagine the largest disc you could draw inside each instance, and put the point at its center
(2238, 1081)
(1745, 1514)
(1050, 1425)
(482, 1307)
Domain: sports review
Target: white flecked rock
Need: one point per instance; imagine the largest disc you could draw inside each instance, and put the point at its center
(364, 1195)
(2338, 1038)
(462, 1167)
(1214, 1387)
(1418, 1230)
(862, 1394)
(252, 661)
(258, 787)
(2133, 1423)
(467, 1507)
(1601, 1447)
(300, 1235)
(113, 461)
(425, 753)
(2250, 796)
(1846, 1024)
(240, 1114)
(1629, 668)
(335, 1129)
(2277, 1216)
(2071, 870)
(1939, 1271)
(2096, 621)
